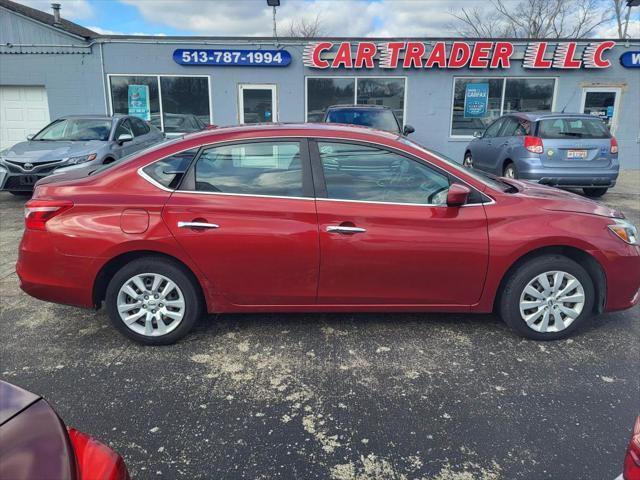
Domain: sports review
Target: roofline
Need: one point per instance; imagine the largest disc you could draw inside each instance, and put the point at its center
(298, 40)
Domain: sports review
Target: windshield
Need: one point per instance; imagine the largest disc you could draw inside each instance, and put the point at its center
(486, 178)
(573, 128)
(380, 119)
(76, 129)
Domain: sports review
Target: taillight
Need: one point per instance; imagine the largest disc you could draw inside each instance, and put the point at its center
(94, 460)
(533, 144)
(614, 145)
(38, 212)
(631, 469)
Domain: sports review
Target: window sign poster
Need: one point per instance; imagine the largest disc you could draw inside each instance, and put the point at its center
(476, 100)
(138, 101)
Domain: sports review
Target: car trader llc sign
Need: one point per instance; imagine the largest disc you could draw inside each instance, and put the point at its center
(481, 54)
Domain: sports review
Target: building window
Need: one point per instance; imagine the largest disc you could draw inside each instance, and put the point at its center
(477, 102)
(174, 104)
(322, 92)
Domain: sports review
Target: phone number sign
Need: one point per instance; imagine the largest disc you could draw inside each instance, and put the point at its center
(229, 58)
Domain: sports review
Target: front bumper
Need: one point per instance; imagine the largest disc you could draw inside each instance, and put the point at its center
(622, 272)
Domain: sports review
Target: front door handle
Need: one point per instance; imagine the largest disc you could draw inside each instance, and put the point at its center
(197, 225)
(343, 229)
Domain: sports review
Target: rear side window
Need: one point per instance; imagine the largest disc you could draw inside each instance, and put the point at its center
(169, 171)
(259, 168)
(369, 174)
(573, 128)
(139, 127)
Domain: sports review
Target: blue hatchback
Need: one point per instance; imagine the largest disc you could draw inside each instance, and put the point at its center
(557, 149)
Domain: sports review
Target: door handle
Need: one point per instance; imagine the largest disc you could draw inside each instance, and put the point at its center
(197, 225)
(341, 229)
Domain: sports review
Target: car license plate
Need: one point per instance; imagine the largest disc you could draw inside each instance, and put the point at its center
(577, 154)
(28, 179)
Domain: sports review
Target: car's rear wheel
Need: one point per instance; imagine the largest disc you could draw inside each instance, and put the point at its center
(595, 192)
(510, 170)
(547, 298)
(153, 301)
(468, 160)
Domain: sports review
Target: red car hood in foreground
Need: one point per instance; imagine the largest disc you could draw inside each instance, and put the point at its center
(563, 201)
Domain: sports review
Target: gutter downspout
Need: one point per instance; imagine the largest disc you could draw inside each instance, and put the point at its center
(104, 82)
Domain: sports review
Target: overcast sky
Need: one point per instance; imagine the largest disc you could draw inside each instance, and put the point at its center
(253, 17)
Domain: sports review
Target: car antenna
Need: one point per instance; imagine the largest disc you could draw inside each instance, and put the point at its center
(568, 101)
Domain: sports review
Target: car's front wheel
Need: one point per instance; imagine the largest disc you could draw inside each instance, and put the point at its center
(595, 192)
(547, 298)
(153, 301)
(468, 160)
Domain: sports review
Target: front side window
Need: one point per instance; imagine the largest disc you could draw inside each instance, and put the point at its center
(370, 174)
(169, 171)
(139, 127)
(258, 168)
(76, 129)
(124, 128)
(494, 128)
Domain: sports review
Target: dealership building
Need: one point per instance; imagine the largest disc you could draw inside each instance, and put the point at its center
(445, 88)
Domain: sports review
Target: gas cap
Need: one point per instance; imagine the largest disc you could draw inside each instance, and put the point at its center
(134, 220)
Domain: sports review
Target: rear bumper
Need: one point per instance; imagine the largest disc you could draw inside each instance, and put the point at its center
(46, 274)
(571, 177)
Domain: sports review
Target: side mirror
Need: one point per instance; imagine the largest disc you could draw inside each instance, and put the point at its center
(30, 136)
(408, 129)
(124, 137)
(478, 134)
(457, 195)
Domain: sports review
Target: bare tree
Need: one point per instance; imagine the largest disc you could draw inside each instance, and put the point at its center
(533, 19)
(622, 18)
(305, 27)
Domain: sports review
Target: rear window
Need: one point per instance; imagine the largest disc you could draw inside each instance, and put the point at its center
(169, 171)
(573, 128)
(380, 119)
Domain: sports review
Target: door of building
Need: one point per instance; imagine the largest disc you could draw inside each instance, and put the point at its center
(257, 103)
(602, 102)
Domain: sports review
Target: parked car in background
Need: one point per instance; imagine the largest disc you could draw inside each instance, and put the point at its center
(556, 149)
(177, 124)
(272, 218)
(72, 142)
(374, 116)
(35, 443)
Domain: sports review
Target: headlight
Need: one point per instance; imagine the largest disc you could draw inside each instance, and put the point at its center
(81, 159)
(626, 231)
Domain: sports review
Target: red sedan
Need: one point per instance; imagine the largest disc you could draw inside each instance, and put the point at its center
(300, 218)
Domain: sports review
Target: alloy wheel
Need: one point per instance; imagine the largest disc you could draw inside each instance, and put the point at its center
(150, 304)
(551, 301)
(468, 161)
(510, 171)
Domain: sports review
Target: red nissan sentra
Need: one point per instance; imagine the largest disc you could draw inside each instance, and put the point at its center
(301, 218)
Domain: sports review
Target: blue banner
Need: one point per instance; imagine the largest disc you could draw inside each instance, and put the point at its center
(242, 58)
(138, 101)
(630, 59)
(476, 100)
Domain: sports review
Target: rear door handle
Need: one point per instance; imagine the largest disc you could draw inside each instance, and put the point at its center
(341, 229)
(197, 225)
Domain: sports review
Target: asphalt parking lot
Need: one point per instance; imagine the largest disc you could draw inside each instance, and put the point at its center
(340, 396)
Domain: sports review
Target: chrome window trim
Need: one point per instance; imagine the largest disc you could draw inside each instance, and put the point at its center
(309, 137)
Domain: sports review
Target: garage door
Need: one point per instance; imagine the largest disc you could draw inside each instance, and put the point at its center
(23, 110)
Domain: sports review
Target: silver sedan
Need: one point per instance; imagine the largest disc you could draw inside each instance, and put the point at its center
(73, 142)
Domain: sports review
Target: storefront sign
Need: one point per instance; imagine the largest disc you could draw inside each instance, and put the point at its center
(477, 55)
(138, 101)
(630, 59)
(254, 58)
(476, 100)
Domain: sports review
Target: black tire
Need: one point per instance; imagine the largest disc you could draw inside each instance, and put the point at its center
(108, 160)
(508, 168)
(193, 303)
(468, 160)
(509, 303)
(21, 193)
(595, 192)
